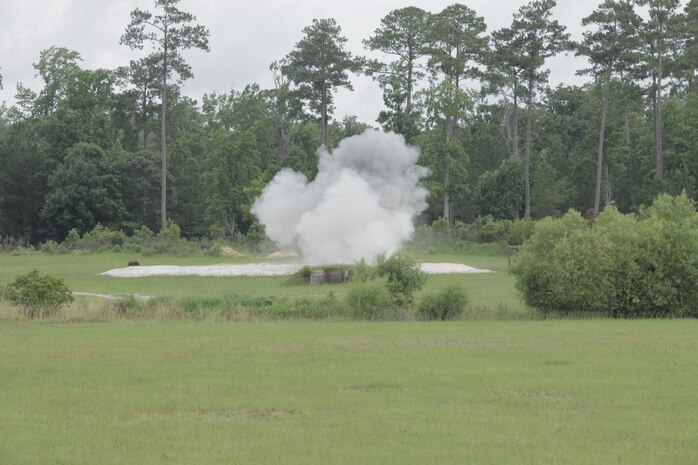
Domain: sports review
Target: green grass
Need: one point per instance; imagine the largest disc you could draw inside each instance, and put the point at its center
(488, 293)
(546, 392)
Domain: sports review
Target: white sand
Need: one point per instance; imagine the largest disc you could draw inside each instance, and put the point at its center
(256, 269)
(444, 268)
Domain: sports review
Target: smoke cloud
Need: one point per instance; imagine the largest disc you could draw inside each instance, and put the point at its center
(362, 202)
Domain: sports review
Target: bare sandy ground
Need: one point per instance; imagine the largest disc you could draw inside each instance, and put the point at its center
(256, 269)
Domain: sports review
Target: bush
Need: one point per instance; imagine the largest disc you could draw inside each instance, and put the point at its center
(255, 237)
(494, 230)
(520, 231)
(101, 238)
(72, 239)
(464, 232)
(404, 276)
(52, 248)
(38, 295)
(449, 304)
(621, 265)
(362, 272)
(369, 301)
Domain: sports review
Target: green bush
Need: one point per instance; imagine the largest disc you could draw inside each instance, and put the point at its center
(448, 304)
(255, 237)
(520, 231)
(130, 307)
(37, 295)
(362, 272)
(464, 232)
(52, 248)
(494, 230)
(101, 238)
(621, 265)
(369, 301)
(72, 240)
(404, 277)
(300, 277)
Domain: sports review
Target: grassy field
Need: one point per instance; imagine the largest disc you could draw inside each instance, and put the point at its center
(488, 292)
(546, 392)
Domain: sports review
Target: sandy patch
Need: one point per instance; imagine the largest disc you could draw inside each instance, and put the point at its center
(444, 268)
(256, 269)
(230, 252)
(283, 253)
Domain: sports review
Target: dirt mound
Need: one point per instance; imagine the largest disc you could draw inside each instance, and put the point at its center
(283, 253)
(230, 252)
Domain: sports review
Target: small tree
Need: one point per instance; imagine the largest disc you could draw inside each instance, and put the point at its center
(38, 295)
(404, 275)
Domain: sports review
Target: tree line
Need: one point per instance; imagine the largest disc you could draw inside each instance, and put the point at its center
(124, 148)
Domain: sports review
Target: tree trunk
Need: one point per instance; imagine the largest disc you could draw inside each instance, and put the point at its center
(145, 127)
(658, 123)
(408, 104)
(447, 177)
(284, 144)
(323, 118)
(527, 153)
(602, 135)
(447, 199)
(626, 130)
(229, 224)
(517, 151)
(163, 144)
(609, 188)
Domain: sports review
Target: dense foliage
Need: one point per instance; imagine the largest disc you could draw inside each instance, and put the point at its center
(38, 295)
(623, 265)
(403, 277)
(500, 143)
(448, 304)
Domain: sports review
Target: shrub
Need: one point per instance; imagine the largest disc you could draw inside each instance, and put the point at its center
(142, 235)
(520, 231)
(369, 301)
(439, 229)
(494, 230)
(255, 237)
(129, 307)
(38, 295)
(362, 272)
(448, 304)
(464, 232)
(72, 239)
(404, 277)
(52, 248)
(621, 265)
(101, 238)
(172, 233)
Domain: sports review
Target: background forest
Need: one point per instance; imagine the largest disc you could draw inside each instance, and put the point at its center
(89, 147)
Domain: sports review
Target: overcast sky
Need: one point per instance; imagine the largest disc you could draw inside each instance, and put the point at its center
(246, 36)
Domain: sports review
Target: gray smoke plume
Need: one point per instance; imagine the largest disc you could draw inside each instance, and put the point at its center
(362, 202)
